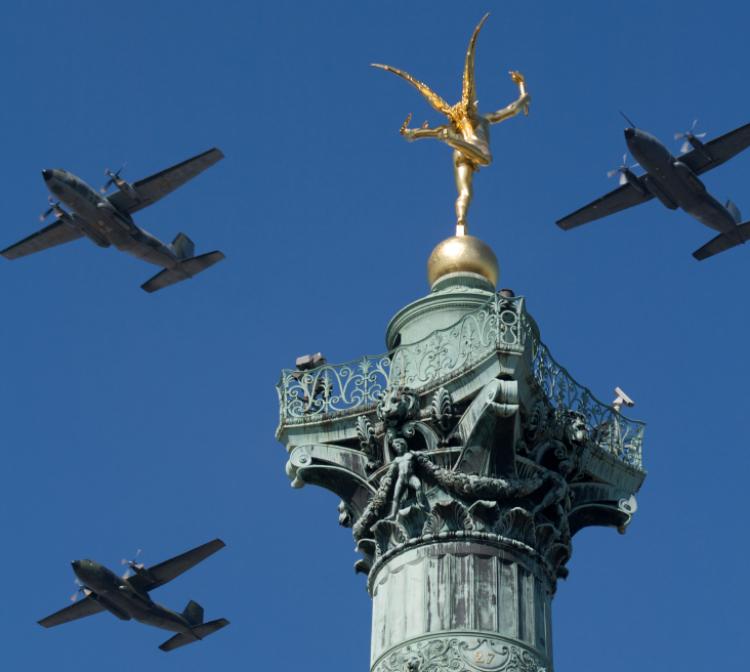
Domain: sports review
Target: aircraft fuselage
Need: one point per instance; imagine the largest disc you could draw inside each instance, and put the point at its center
(99, 220)
(674, 183)
(117, 596)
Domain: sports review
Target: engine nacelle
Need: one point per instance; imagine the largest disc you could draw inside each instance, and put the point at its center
(653, 186)
(688, 176)
(633, 181)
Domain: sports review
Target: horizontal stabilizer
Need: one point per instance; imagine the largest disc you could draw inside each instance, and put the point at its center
(195, 634)
(186, 269)
(724, 242)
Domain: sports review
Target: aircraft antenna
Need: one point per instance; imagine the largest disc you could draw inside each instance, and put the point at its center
(625, 117)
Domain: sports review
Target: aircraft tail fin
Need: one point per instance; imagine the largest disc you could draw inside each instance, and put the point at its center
(182, 246)
(734, 211)
(724, 242)
(195, 634)
(187, 268)
(193, 613)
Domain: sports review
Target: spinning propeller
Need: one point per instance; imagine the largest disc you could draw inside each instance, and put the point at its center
(133, 565)
(691, 138)
(114, 178)
(82, 590)
(54, 206)
(622, 169)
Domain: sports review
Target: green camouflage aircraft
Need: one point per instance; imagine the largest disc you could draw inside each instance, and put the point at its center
(107, 220)
(127, 597)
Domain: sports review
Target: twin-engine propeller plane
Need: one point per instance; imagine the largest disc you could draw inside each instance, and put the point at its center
(674, 181)
(127, 597)
(106, 220)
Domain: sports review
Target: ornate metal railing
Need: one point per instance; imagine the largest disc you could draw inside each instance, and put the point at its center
(606, 427)
(501, 325)
(333, 389)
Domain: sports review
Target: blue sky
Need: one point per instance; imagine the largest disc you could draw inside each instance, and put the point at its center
(135, 421)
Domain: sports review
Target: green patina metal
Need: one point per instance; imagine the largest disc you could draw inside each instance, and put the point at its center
(499, 327)
(466, 458)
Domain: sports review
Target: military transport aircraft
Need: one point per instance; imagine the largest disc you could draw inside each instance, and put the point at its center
(106, 220)
(127, 596)
(674, 181)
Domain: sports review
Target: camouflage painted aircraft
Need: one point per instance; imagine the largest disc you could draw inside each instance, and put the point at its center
(106, 220)
(127, 597)
(674, 181)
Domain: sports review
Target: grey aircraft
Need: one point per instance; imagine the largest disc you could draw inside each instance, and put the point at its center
(107, 220)
(127, 597)
(674, 181)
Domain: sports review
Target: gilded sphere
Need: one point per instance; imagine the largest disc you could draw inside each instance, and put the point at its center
(462, 254)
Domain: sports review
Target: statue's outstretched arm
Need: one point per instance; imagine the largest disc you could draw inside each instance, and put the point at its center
(517, 106)
(447, 135)
(423, 132)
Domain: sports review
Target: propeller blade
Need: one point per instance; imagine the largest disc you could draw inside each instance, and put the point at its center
(623, 180)
(700, 135)
(74, 596)
(612, 173)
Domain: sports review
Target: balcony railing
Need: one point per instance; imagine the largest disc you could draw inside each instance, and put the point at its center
(500, 326)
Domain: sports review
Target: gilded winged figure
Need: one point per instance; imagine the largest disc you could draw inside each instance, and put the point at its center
(467, 131)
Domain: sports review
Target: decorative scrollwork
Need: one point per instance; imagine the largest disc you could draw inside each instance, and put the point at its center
(441, 411)
(461, 654)
(608, 429)
(330, 389)
(501, 325)
(367, 442)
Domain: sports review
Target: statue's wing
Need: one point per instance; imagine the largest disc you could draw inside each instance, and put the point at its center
(469, 90)
(432, 98)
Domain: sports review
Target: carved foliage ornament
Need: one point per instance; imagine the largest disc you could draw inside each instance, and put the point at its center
(461, 654)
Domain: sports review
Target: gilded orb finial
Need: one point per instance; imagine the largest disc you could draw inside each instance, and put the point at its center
(463, 254)
(467, 131)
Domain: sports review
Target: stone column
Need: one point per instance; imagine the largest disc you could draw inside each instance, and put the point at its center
(467, 603)
(465, 459)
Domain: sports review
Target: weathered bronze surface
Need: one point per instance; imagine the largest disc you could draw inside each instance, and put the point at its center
(465, 460)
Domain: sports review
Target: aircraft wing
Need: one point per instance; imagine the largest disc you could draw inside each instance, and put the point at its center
(718, 150)
(85, 607)
(56, 233)
(157, 186)
(153, 577)
(623, 197)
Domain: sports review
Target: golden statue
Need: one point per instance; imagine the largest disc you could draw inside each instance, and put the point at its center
(467, 132)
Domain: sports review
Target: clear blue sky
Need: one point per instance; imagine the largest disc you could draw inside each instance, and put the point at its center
(135, 421)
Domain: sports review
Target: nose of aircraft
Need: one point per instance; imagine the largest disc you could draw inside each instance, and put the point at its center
(629, 133)
(47, 174)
